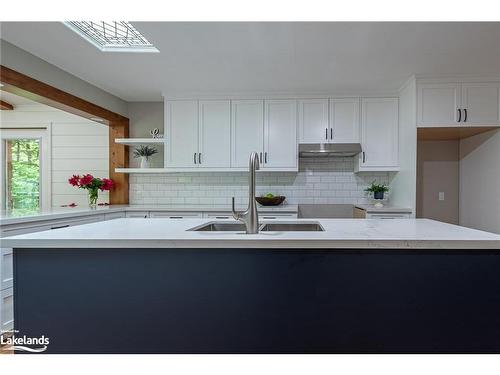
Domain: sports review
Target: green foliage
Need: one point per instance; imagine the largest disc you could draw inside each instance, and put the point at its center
(377, 188)
(24, 174)
(145, 151)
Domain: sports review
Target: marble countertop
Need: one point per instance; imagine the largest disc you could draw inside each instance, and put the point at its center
(385, 208)
(338, 234)
(18, 217)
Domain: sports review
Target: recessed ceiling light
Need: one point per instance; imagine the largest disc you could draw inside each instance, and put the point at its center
(113, 36)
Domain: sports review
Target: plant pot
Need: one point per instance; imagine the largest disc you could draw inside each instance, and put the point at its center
(145, 162)
(378, 195)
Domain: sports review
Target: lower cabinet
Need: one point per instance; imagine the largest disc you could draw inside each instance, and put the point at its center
(6, 269)
(7, 309)
(114, 215)
(175, 215)
(137, 214)
(362, 214)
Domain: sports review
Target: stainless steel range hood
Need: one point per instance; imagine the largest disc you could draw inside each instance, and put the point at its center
(329, 149)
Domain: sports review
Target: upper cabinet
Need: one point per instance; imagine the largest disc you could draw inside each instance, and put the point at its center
(198, 134)
(247, 130)
(329, 121)
(313, 120)
(214, 144)
(344, 120)
(379, 135)
(181, 125)
(280, 134)
(458, 104)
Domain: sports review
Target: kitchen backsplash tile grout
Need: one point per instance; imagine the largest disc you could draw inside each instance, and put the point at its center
(319, 181)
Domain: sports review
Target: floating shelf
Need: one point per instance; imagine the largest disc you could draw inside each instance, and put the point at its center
(196, 170)
(136, 141)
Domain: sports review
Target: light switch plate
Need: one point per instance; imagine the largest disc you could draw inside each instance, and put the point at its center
(441, 195)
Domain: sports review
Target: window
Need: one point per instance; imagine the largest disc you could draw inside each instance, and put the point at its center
(25, 170)
(115, 36)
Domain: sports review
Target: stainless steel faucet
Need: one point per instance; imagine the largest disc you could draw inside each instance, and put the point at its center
(250, 217)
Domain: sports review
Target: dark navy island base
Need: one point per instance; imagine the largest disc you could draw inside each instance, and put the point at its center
(259, 300)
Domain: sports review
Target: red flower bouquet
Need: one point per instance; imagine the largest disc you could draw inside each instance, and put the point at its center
(92, 184)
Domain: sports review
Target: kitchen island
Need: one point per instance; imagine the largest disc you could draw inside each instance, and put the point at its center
(357, 286)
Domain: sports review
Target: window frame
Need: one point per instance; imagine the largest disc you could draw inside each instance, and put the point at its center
(43, 133)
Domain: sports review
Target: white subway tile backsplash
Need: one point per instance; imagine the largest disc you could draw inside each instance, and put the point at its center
(319, 181)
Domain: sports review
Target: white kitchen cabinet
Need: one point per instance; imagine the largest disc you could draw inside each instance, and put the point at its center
(214, 134)
(313, 121)
(7, 309)
(137, 214)
(480, 103)
(276, 215)
(458, 104)
(175, 214)
(114, 215)
(6, 268)
(379, 135)
(280, 134)
(247, 130)
(181, 125)
(344, 120)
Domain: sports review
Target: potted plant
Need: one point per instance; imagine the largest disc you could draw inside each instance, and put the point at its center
(92, 185)
(145, 152)
(378, 190)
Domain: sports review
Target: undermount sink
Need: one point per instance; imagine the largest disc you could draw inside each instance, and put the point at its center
(292, 227)
(220, 227)
(266, 227)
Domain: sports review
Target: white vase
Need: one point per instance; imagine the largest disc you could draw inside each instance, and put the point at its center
(144, 162)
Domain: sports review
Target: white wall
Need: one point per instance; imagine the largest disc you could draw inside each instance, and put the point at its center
(77, 146)
(403, 184)
(480, 181)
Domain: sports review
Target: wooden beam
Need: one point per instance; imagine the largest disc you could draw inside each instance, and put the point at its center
(22, 85)
(118, 158)
(27, 87)
(6, 106)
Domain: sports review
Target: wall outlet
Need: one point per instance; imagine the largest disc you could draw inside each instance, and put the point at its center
(441, 195)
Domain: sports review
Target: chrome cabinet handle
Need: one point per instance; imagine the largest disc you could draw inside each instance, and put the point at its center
(194, 157)
(465, 111)
(260, 157)
(61, 226)
(265, 157)
(199, 158)
(331, 133)
(459, 115)
(326, 133)
(364, 158)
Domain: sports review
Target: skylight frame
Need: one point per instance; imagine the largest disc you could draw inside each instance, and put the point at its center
(112, 36)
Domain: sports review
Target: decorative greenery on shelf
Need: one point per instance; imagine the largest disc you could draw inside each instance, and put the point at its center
(377, 188)
(144, 151)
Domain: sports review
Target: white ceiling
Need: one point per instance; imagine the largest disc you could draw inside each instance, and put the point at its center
(266, 58)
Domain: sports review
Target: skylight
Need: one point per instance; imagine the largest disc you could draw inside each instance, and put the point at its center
(114, 36)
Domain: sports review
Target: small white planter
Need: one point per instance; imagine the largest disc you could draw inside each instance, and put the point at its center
(145, 162)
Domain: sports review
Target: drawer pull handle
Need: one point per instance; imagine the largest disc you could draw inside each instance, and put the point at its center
(222, 217)
(176, 217)
(61, 226)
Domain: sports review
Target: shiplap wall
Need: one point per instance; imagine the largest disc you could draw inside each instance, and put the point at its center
(78, 146)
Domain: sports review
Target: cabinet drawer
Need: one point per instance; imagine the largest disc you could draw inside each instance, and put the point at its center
(218, 215)
(18, 229)
(7, 309)
(175, 215)
(6, 269)
(137, 214)
(274, 216)
(114, 215)
(388, 216)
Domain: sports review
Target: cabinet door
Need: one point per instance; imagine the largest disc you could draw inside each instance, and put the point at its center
(280, 134)
(247, 130)
(344, 120)
(313, 121)
(438, 105)
(7, 309)
(215, 134)
(482, 102)
(181, 122)
(6, 268)
(379, 132)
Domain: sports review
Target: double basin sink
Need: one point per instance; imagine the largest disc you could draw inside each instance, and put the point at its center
(266, 227)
